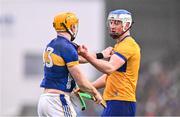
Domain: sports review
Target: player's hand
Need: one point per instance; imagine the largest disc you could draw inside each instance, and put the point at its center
(76, 90)
(107, 52)
(82, 50)
(98, 98)
(82, 60)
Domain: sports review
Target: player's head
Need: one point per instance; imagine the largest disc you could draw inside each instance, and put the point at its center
(66, 22)
(119, 22)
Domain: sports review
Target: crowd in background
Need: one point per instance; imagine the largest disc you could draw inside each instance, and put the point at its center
(157, 92)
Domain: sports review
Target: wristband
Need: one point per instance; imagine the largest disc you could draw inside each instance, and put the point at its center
(99, 56)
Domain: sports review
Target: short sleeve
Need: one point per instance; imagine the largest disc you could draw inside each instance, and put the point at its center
(70, 55)
(124, 50)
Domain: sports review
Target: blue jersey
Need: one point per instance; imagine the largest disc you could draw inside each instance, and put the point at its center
(59, 54)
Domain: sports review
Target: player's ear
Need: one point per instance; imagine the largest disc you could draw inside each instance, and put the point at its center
(73, 28)
(127, 25)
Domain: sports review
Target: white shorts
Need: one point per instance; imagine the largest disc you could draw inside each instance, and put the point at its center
(55, 105)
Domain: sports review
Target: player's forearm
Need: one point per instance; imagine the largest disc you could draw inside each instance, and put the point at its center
(82, 60)
(87, 87)
(81, 80)
(100, 82)
(101, 65)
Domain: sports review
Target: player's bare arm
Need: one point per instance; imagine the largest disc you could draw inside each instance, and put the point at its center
(83, 83)
(100, 82)
(106, 67)
(106, 54)
(82, 60)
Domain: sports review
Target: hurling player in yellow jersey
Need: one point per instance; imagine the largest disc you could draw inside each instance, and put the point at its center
(121, 71)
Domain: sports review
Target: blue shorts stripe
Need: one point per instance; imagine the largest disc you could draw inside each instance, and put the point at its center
(66, 108)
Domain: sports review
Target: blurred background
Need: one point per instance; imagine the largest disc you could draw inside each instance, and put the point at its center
(26, 28)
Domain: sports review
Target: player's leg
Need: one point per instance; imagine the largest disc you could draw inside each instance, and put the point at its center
(44, 106)
(55, 105)
(67, 106)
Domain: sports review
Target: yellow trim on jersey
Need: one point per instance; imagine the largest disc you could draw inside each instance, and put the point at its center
(70, 64)
(57, 60)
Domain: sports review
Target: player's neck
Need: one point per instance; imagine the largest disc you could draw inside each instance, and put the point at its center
(64, 34)
(121, 38)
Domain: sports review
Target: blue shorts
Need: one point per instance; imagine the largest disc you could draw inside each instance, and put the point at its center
(119, 108)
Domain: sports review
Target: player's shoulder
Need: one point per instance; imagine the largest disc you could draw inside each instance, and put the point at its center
(128, 44)
(130, 41)
(63, 43)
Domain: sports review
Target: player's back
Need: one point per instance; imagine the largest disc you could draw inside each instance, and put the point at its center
(58, 54)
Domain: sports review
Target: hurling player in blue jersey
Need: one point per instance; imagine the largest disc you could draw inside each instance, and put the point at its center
(60, 62)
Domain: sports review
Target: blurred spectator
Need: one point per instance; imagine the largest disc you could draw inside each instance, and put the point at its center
(158, 90)
(157, 93)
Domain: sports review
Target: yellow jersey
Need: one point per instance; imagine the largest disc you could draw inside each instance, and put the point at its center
(121, 84)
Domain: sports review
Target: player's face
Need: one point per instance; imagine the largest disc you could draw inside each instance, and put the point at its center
(115, 28)
(74, 29)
